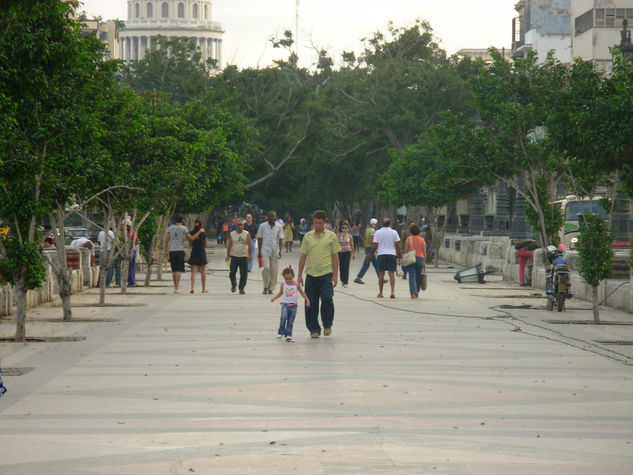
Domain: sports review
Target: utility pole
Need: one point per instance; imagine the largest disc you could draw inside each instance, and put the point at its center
(297, 31)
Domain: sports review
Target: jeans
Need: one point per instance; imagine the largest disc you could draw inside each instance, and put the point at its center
(319, 288)
(415, 275)
(344, 258)
(242, 263)
(253, 254)
(288, 313)
(366, 262)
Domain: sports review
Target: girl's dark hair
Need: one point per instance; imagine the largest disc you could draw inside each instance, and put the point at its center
(415, 230)
(288, 270)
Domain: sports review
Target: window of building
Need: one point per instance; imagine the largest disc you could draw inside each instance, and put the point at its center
(206, 12)
(195, 10)
(164, 10)
(609, 17)
(181, 10)
(583, 23)
(150, 10)
(599, 23)
(137, 10)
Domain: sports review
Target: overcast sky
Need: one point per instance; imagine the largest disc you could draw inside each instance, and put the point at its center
(339, 25)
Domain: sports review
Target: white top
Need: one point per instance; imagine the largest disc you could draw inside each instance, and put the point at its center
(289, 294)
(386, 239)
(102, 239)
(177, 233)
(79, 242)
(270, 236)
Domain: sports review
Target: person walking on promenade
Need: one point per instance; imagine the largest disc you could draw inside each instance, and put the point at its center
(389, 252)
(369, 239)
(175, 245)
(289, 230)
(416, 243)
(303, 229)
(356, 236)
(270, 237)
(251, 228)
(347, 253)
(289, 292)
(404, 234)
(198, 258)
(319, 257)
(238, 251)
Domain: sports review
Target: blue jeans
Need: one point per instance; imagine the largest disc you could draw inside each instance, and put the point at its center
(366, 262)
(253, 254)
(288, 313)
(319, 288)
(415, 275)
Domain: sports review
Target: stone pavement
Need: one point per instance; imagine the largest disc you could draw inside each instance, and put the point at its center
(449, 383)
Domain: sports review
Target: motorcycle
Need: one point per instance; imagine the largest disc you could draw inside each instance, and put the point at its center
(558, 282)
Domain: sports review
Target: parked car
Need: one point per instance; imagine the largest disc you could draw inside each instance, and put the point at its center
(75, 232)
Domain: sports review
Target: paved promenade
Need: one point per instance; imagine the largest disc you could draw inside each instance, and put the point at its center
(170, 383)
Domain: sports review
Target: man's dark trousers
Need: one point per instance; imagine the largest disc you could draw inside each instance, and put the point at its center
(319, 288)
(242, 263)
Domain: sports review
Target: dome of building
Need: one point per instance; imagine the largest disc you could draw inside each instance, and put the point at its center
(170, 19)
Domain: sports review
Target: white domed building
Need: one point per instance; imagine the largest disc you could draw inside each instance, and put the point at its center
(170, 19)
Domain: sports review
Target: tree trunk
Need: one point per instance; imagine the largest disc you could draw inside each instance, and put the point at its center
(162, 233)
(64, 283)
(20, 305)
(102, 283)
(596, 310)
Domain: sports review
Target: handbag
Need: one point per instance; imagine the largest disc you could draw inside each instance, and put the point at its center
(409, 257)
(423, 281)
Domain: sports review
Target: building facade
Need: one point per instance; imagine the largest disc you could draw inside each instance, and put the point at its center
(543, 26)
(596, 26)
(170, 19)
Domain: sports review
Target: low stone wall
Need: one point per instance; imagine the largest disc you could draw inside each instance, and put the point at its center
(82, 278)
(499, 252)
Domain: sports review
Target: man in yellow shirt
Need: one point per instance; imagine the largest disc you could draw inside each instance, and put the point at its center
(319, 250)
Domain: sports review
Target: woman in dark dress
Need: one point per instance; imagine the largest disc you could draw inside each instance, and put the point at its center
(198, 259)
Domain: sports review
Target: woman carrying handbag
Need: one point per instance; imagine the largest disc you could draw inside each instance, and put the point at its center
(413, 259)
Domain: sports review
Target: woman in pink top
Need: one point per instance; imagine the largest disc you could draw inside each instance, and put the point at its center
(417, 243)
(347, 253)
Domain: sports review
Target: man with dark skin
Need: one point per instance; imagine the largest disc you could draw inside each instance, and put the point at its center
(389, 253)
(270, 238)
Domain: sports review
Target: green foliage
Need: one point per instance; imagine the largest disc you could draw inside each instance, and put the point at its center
(173, 67)
(595, 250)
(22, 261)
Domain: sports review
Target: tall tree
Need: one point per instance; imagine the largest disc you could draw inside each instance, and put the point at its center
(47, 73)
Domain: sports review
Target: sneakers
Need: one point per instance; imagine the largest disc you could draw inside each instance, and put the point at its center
(314, 335)
(265, 291)
(327, 331)
(279, 336)
(358, 281)
(242, 292)
(289, 339)
(233, 288)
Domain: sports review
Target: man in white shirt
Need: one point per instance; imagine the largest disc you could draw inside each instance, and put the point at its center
(87, 243)
(270, 237)
(389, 253)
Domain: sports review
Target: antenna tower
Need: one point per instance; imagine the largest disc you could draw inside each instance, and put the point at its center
(297, 30)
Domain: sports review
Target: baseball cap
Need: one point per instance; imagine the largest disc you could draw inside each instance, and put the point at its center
(373, 221)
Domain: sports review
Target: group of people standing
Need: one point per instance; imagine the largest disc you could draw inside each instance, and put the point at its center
(325, 254)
